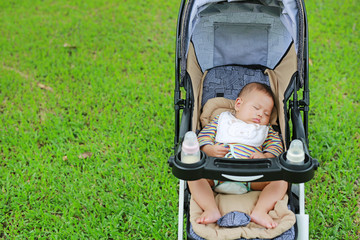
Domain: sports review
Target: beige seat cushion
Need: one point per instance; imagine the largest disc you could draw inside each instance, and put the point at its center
(242, 203)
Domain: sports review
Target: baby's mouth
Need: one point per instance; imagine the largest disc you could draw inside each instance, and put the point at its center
(256, 120)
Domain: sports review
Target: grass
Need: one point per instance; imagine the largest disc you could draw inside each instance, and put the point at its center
(86, 115)
(79, 79)
(333, 199)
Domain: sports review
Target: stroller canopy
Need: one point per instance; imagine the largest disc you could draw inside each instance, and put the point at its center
(238, 32)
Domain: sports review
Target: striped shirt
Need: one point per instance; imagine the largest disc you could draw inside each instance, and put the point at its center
(271, 145)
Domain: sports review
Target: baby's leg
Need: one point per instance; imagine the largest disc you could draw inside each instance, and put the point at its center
(204, 197)
(271, 193)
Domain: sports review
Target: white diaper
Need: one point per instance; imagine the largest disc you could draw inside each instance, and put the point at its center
(233, 130)
(231, 187)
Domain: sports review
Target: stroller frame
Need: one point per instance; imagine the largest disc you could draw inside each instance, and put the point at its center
(269, 169)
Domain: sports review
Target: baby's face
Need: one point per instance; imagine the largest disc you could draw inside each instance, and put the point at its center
(254, 108)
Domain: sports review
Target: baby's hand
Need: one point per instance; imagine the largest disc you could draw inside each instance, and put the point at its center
(257, 155)
(262, 155)
(214, 150)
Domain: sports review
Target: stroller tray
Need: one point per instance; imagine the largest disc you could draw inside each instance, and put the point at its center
(244, 170)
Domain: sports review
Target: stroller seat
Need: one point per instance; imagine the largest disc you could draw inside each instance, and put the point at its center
(243, 203)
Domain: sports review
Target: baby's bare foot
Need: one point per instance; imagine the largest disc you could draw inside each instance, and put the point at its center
(263, 219)
(209, 216)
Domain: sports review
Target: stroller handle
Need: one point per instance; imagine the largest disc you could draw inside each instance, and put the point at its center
(247, 170)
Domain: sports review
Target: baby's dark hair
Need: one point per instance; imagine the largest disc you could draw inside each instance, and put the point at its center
(256, 86)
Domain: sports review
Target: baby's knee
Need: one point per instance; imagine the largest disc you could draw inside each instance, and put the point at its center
(281, 184)
(200, 182)
(258, 186)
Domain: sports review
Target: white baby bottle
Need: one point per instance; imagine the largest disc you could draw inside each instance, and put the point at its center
(296, 154)
(190, 150)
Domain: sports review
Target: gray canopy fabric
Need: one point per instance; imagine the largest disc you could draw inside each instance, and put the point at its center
(289, 11)
(239, 32)
(245, 34)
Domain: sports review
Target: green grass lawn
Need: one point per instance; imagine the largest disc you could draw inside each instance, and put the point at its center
(87, 121)
(334, 195)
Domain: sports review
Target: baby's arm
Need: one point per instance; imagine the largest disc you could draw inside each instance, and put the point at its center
(214, 150)
(207, 140)
(272, 146)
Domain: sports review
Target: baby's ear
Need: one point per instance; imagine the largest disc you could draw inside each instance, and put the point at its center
(238, 102)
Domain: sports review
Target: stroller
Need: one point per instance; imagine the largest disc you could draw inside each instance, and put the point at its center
(220, 47)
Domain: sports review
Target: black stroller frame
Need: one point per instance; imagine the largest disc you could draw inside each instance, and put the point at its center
(296, 110)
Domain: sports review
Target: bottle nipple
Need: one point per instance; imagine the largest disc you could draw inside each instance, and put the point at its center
(296, 154)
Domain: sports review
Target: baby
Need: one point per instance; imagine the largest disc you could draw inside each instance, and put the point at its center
(246, 134)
